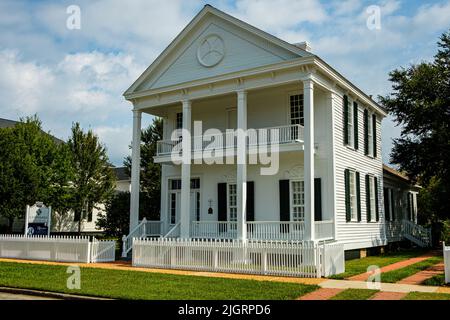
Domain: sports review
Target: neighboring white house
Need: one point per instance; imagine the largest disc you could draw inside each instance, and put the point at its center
(67, 223)
(228, 74)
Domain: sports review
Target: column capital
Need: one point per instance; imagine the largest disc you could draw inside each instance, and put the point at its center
(308, 83)
(137, 112)
(241, 93)
(186, 103)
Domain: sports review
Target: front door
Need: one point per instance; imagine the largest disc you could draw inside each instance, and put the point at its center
(195, 205)
(174, 206)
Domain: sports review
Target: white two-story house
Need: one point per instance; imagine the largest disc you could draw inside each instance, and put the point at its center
(310, 166)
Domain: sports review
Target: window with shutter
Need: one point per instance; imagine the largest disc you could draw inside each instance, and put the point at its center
(350, 126)
(351, 195)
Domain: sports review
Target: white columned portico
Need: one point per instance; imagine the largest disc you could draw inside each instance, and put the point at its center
(308, 98)
(241, 179)
(186, 171)
(135, 169)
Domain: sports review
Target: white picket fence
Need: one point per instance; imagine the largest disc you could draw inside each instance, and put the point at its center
(103, 251)
(56, 248)
(285, 258)
(446, 262)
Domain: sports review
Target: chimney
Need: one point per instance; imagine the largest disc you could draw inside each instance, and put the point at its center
(303, 45)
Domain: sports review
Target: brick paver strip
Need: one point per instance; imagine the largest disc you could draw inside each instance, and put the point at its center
(395, 266)
(384, 295)
(321, 294)
(421, 276)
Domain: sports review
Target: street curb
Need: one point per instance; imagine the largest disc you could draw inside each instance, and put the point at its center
(48, 294)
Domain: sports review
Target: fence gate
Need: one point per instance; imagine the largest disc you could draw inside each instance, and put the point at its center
(103, 251)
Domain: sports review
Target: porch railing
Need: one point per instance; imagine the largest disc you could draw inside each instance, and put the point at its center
(260, 230)
(226, 140)
(213, 229)
(145, 228)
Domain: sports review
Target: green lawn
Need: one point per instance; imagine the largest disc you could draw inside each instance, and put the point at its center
(358, 266)
(399, 274)
(145, 285)
(354, 294)
(426, 296)
(437, 280)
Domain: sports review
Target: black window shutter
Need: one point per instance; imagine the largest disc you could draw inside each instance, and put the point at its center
(348, 215)
(285, 214)
(358, 196)
(345, 120)
(409, 207)
(366, 132)
(369, 217)
(250, 201)
(222, 202)
(377, 211)
(393, 213)
(387, 214)
(355, 124)
(318, 199)
(374, 126)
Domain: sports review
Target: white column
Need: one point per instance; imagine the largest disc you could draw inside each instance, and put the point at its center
(135, 169)
(308, 98)
(186, 172)
(241, 165)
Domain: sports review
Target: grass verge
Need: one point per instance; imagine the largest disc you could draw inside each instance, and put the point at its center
(437, 280)
(354, 294)
(121, 284)
(426, 296)
(358, 266)
(399, 274)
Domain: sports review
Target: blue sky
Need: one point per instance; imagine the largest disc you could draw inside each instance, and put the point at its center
(79, 75)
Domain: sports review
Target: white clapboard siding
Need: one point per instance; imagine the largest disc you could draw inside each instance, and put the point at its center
(285, 258)
(357, 234)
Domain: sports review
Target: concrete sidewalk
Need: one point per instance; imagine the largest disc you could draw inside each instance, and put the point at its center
(323, 283)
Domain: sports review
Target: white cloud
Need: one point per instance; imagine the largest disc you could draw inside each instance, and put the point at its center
(117, 140)
(279, 15)
(85, 87)
(345, 7)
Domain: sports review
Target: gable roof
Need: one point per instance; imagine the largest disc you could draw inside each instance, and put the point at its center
(121, 173)
(6, 123)
(135, 91)
(208, 9)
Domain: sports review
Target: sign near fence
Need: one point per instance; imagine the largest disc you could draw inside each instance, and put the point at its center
(38, 219)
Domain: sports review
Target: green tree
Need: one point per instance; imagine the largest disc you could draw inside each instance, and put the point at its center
(150, 199)
(27, 164)
(60, 193)
(420, 103)
(115, 220)
(93, 180)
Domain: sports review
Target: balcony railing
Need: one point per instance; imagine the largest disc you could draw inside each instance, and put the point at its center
(228, 140)
(261, 230)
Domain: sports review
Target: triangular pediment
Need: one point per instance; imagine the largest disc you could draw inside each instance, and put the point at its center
(214, 44)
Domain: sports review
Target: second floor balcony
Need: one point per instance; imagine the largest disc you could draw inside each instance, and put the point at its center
(271, 139)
